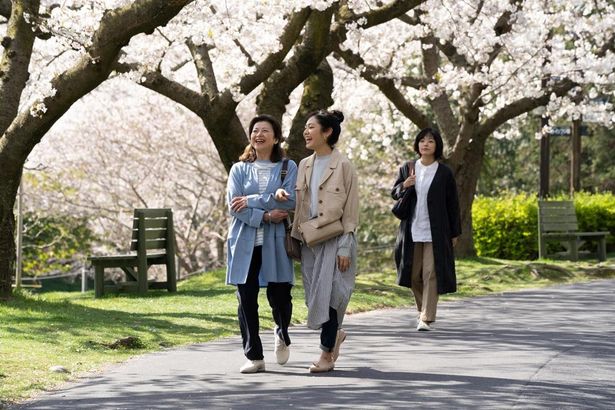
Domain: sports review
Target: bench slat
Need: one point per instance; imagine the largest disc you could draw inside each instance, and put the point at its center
(558, 227)
(151, 223)
(158, 233)
(153, 212)
(150, 244)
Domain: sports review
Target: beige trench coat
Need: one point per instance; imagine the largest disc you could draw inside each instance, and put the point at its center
(338, 194)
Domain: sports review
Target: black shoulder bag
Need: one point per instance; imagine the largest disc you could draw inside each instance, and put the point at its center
(401, 209)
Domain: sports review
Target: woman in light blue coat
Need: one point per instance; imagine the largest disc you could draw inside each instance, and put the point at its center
(260, 191)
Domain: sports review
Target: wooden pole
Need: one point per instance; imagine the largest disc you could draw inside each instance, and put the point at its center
(544, 159)
(575, 157)
(19, 244)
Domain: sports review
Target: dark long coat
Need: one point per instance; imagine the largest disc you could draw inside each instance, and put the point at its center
(445, 221)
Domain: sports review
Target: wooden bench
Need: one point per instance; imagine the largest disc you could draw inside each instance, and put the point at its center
(557, 220)
(153, 243)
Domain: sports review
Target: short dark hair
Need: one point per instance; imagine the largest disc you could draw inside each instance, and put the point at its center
(278, 153)
(436, 136)
(329, 119)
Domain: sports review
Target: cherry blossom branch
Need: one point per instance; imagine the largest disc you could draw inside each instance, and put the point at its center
(264, 69)
(441, 105)
(386, 85)
(204, 68)
(523, 105)
(304, 61)
(116, 29)
(156, 81)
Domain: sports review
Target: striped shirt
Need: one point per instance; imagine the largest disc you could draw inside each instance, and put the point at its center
(263, 172)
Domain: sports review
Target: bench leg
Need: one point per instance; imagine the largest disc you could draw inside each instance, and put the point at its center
(574, 249)
(99, 281)
(602, 249)
(142, 278)
(171, 276)
(542, 247)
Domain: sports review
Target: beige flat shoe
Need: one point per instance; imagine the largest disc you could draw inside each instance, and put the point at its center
(322, 366)
(341, 336)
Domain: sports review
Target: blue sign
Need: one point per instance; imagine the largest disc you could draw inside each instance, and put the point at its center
(566, 131)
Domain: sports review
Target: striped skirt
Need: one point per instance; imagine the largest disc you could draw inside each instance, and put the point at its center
(324, 284)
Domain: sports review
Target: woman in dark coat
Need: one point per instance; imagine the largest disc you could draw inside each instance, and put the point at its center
(424, 249)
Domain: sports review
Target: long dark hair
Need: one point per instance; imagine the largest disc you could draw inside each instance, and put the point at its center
(278, 153)
(329, 120)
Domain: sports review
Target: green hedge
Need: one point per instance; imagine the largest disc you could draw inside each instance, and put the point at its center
(506, 226)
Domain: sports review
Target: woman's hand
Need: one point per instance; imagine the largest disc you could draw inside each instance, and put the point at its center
(277, 215)
(411, 180)
(239, 203)
(343, 263)
(281, 195)
(454, 240)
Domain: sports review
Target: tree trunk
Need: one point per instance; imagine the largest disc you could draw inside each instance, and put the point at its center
(227, 133)
(317, 90)
(8, 192)
(467, 171)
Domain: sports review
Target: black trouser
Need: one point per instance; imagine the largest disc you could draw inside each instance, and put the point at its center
(328, 332)
(278, 295)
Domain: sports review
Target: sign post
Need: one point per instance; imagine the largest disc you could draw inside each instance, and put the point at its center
(544, 159)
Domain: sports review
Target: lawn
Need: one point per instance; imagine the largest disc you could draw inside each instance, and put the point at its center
(78, 332)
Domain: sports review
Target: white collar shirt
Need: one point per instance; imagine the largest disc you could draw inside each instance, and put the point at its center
(421, 228)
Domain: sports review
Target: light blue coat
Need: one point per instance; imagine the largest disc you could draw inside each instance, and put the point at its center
(276, 266)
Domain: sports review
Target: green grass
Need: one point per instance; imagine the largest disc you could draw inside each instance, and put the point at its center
(75, 330)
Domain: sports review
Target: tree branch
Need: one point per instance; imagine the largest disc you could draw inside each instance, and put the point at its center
(204, 68)
(386, 13)
(522, 106)
(5, 8)
(447, 123)
(503, 26)
(305, 60)
(386, 85)
(116, 29)
(479, 9)
(263, 70)
(245, 52)
(609, 45)
(18, 44)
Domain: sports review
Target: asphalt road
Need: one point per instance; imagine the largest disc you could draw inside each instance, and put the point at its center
(544, 348)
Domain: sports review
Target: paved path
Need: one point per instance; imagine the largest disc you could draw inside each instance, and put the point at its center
(546, 348)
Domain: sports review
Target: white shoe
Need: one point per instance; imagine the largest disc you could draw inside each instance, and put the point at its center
(282, 352)
(423, 326)
(253, 366)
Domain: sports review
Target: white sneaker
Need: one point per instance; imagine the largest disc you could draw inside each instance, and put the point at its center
(253, 366)
(423, 326)
(282, 352)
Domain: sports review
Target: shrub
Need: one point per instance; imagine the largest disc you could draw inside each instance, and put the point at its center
(596, 212)
(507, 226)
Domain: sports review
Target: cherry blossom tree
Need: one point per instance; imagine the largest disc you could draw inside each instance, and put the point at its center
(32, 99)
(472, 67)
(232, 55)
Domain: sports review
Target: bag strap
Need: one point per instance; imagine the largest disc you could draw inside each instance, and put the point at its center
(409, 164)
(283, 175)
(284, 169)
